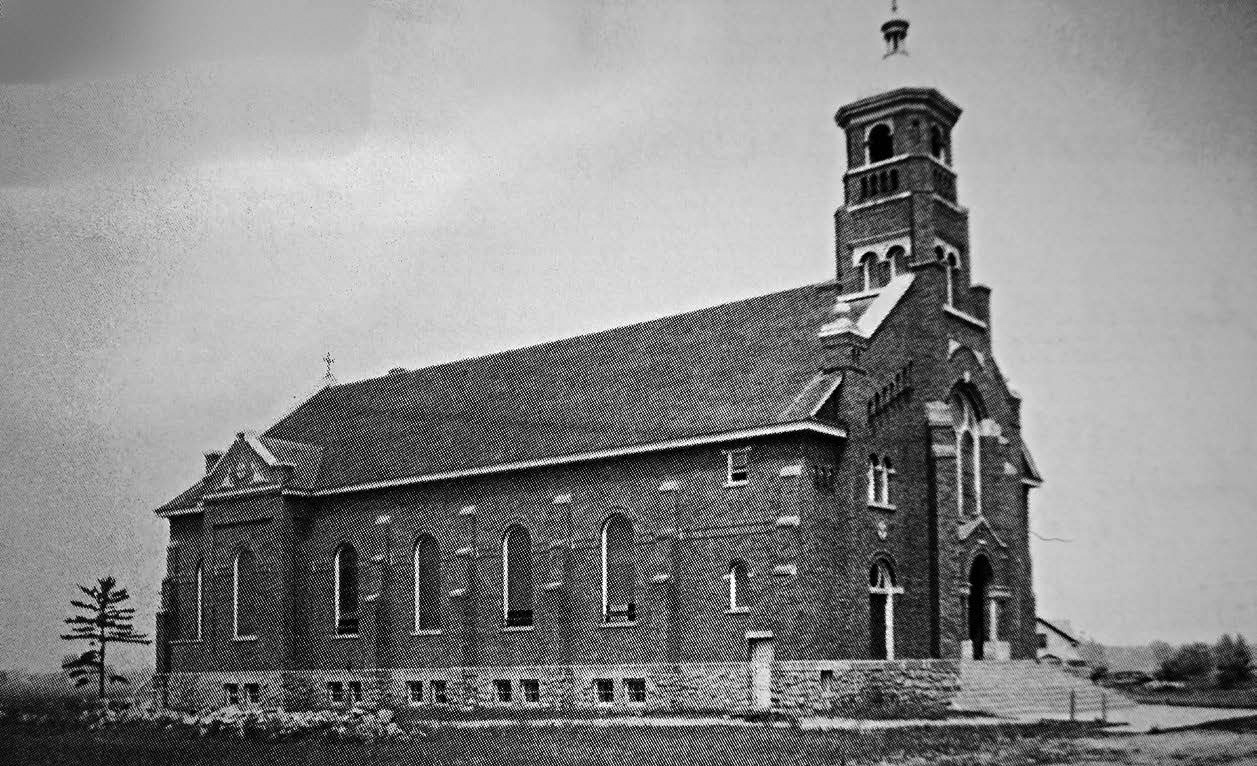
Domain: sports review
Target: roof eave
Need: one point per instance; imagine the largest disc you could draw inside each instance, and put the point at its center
(808, 425)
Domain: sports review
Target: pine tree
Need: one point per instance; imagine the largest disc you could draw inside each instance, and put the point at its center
(101, 623)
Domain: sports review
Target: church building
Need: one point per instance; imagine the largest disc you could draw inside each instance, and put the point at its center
(802, 501)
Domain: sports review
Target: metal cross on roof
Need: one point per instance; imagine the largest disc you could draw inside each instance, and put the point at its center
(328, 360)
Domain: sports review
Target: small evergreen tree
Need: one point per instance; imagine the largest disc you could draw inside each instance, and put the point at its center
(101, 622)
(1233, 660)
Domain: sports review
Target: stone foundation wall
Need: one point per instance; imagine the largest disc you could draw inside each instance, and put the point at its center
(814, 687)
(864, 687)
(201, 691)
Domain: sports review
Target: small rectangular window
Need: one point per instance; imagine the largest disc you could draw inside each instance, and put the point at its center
(355, 691)
(531, 689)
(738, 463)
(438, 693)
(335, 691)
(252, 693)
(415, 691)
(1043, 641)
(502, 689)
(635, 689)
(604, 690)
(232, 692)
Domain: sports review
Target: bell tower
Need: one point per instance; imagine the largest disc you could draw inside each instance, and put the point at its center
(900, 210)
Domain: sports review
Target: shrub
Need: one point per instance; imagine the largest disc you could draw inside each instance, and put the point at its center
(1187, 662)
(1233, 659)
(265, 723)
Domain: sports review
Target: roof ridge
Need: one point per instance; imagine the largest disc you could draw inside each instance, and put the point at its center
(570, 338)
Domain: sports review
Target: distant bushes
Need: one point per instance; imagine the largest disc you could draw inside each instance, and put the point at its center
(1189, 661)
(1233, 660)
(1228, 663)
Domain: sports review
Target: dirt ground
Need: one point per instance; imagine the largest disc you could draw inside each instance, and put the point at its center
(1189, 748)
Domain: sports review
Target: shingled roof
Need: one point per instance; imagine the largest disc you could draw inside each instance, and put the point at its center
(733, 367)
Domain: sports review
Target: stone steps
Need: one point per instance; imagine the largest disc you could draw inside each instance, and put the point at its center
(1026, 689)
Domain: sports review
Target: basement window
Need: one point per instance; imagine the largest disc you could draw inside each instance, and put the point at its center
(335, 692)
(355, 692)
(531, 689)
(635, 689)
(502, 689)
(232, 692)
(414, 690)
(604, 690)
(438, 693)
(252, 693)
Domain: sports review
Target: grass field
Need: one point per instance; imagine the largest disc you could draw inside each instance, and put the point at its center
(21, 746)
(1231, 742)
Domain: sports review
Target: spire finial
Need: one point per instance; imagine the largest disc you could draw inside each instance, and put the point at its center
(895, 32)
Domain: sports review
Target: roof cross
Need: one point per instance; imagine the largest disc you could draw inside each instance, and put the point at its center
(328, 360)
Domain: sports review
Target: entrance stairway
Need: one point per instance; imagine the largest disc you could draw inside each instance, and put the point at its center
(1028, 689)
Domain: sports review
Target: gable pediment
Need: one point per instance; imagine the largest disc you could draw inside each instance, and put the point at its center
(247, 464)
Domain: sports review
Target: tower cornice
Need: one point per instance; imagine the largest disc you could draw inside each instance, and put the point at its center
(897, 98)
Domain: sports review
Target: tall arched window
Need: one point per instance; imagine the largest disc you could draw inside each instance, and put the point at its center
(346, 585)
(898, 259)
(965, 420)
(243, 595)
(517, 577)
(880, 472)
(951, 267)
(619, 571)
(427, 561)
(881, 143)
(882, 592)
(938, 143)
(737, 587)
(199, 599)
(868, 269)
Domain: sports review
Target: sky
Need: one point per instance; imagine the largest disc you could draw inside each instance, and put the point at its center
(199, 200)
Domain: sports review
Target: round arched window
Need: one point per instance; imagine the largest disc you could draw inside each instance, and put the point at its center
(881, 143)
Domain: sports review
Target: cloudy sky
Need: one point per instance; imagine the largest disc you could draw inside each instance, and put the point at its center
(198, 200)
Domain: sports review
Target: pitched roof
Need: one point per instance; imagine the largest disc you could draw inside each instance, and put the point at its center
(737, 366)
(1059, 631)
(304, 458)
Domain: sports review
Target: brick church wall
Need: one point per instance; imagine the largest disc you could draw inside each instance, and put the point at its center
(803, 525)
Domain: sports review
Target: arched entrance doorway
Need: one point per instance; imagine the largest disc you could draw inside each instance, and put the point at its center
(882, 593)
(980, 575)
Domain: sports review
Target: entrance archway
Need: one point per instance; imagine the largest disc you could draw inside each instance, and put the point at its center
(980, 575)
